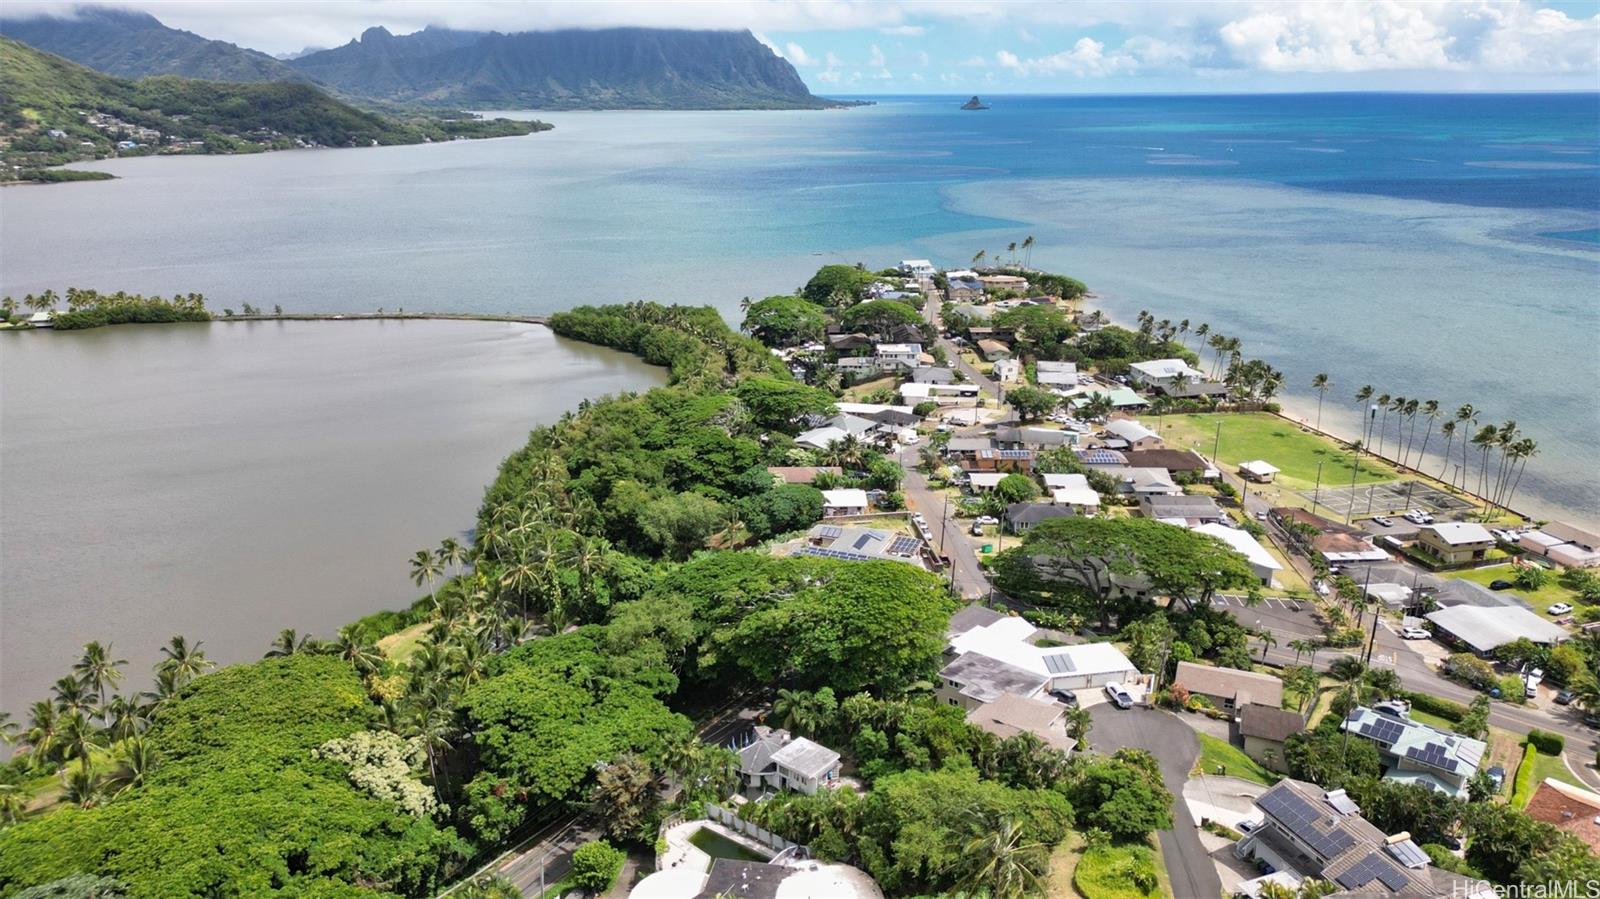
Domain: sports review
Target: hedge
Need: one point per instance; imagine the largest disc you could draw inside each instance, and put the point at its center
(1546, 742)
(1433, 705)
(1524, 785)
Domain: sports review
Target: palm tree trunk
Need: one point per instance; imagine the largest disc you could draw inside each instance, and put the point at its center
(1514, 483)
(1427, 435)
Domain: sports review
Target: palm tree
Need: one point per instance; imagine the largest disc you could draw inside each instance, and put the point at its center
(1027, 251)
(1484, 441)
(1505, 439)
(1268, 640)
(98, 670)
(1448, 429)
(1382, 401)
(82, 787)
(79, 739)
(1011, 248)
(71, 695)
(13, 803)
(168, 683)
(363, 657)
(189, 662)
(977, 258)
(424, 570)
(124, 718)
(1320, 384)
(1525, 449)
(43, 734)
(288, 643)
(451, 553)
(138, 760)
(1299, 646)
(1078, 722)
(1409, 413)
(1466, 417)
(1000, 863)
(1430, 409)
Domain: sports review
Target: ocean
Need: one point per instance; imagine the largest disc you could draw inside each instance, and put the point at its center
(1443, 247)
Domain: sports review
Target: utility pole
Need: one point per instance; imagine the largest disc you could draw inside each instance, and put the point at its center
(1216, 444)
(1316, 492)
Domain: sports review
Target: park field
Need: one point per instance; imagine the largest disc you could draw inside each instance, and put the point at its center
(1261, 435)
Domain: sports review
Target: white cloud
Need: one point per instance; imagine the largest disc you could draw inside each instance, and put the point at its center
(832, 61)
(798, 55)
(917, 77)
(876, 60)
(1026, 36)
(830, 76)
(923, 59)
(883, 75)
(952, 78)
(905, 30)
(974, 62)
(1086, 58)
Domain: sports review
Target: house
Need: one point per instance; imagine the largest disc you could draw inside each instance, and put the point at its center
(1393, 596)
(802, 474)
(881, 413)
(1056, 375)
(1258, 470)
(821, 438)
(1010, 714)
(962, 273)
(1412, 752)
(790, 878)
(972, 679)
(849, 343)
(1174, 460)
(1190, 510)
(917, 268)
(1006, 371)
(1563, 544)
(967, 447)
(1001, 460)
(933, 375)
(1007, 642)
(1455, 541)
(984, 481)
(1229, 689)
(1569, 808)
(776, 760)
(862, 366)
(993, 350)
(969, 617)
(1261, 561)
(1173, 377)
(1315, 834)
(1107, 460)
(1265, 729)
(1034, 438)
(42, 320)
(1132, 434)
(1483, 628)
(1072, 491)
(1021, 517)
(901, 355)
(1145, 482)
(914, 392)
(844, 502)
(1004, 283)
(832, 541)
(1336, 543)
(964, 290)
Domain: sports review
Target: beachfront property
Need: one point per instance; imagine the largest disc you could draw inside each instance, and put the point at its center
(851, 501)
(1412, 752)
(1455, 541)
(1128, 434)
(1262, 562)
(1563, 544)
(1229, 689)
(1003, 283)
(1258, 470)
(1309, 833)
(917, 268)
(1482, 629)
(1058, 376)
(774, 759)
(1173, 377)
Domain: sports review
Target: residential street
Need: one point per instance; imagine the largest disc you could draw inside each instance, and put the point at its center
(968, 576)
(1176, 747)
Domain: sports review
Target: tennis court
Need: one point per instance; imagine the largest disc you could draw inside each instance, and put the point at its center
(1387, 498)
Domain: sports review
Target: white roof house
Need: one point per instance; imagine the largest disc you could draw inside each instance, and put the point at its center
(850, 498)
(1130, 430)
(1166, 369)
(1260, 560)
(1395, 596)
(1071, 490)
(898, 349)
(1459, 533)
(1482, 629)
(1259, 469)
(1068, 667)
(917, 267)
(986, 480)
(821, 438)
(1056, 374)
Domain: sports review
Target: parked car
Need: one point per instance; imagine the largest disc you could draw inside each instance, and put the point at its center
(1565, 697)
(1591, 719)
(1416, 633)
(977, 529)
(1530, 688)
(986, 519)
(1248, 826)
(1383, 521)
(1497, 774)
(1500, 585)
(1560, 608)
(1394, 708)
(1066, 696)
(1261, 516)
(1119, 696)
(911, 439)
(1417, 516)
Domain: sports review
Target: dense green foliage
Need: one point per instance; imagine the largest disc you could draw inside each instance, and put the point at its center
(838, 285)
(595, 865)
(692, 341)
(89, 309)
(239, 806)
(784, 321)
(879, 317)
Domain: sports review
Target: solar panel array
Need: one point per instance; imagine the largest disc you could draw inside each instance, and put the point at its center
(1434, 756)
(1298, 815)
(1409, 854)
(830, 531)
(905, 546)
(1103, 457)
(865, 540)
(1060, 663)
(1016, 454)
(844, 554)
(1373, 867)
(1382, 730)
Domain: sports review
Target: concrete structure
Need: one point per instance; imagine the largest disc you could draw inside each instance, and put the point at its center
(1321, 835)
(1455, 541)
(1258, 470)
(1229, 689)
(844, 502)
(1173, 377)
(1264, 730)
(1011, 714)
(1261, 561)
(1056, 375)
(1569, 808)
(1483, 628)
(1072, 491)
(1134, 435)
(1413, 752)
(1563, 544)
(776, 760)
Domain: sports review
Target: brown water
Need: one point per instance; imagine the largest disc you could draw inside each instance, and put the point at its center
(225, 481)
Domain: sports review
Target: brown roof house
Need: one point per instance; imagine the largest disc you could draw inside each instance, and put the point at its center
(1264, 730)
(1230, 688)
(802, 474)
(1010, 714)
(1574, 810)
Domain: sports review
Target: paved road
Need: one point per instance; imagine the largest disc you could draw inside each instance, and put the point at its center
(969, 579)
(1175, 746)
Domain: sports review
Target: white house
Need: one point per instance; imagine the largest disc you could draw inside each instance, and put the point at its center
(912, 393)
(1261, 561)
(1056, 375)
(1258, 470)
(1563, 544)
(42, 320)
(1132, 434)
(917, 268)
(1072, 490)
(775, 760)
(844, 502)
(1007, 370)
(903, 355)
(984, 481)
(1173, 377)
(1049, 667)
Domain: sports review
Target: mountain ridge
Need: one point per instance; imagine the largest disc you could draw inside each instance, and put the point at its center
(133, 44)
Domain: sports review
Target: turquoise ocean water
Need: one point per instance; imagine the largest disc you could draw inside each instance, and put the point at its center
(1442, 247)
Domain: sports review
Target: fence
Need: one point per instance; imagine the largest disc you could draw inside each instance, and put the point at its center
(729, 819)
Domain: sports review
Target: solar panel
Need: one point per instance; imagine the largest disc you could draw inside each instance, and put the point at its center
(864, 540)
(1373, 867)
(834, 554)
(1409, 854)
(1301, 818)
(1384, 731)
(905, 546)
(830, 531)
(1060, 663)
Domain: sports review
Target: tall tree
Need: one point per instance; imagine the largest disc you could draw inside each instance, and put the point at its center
(1002, 863)
(1320, 383)
(98, 670)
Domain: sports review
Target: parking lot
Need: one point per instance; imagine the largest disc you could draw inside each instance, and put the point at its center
(1387, 499)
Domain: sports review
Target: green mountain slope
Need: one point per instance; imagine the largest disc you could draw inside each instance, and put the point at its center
(134, 44)
(54, 111)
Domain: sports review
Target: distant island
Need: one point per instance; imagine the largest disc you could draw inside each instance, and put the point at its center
(54, 112)
(974, 103)
(611, 68)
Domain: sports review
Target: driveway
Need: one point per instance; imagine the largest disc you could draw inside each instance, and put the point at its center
(1176, 747)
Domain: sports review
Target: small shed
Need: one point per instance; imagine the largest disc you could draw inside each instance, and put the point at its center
(1258, 470)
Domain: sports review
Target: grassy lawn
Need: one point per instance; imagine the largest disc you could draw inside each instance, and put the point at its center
(1552, 766)
(1259, 435)
(1110, 872)
(399, 645)
(866, 388)
(1215, 754)
(1434, 720)
(1541, 599)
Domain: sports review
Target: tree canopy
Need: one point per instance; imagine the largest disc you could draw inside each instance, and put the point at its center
(837, 285)
(879, 317)
(785, 321)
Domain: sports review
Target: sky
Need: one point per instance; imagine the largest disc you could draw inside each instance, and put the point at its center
(878, 47)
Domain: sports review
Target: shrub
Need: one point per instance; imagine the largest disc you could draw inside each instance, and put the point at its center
(1523, 785)
(1433, 705)
(596, 865)
(1470, 670)
(1546, 742)
(1511, 689)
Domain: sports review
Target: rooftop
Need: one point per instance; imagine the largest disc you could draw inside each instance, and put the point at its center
(1167, 368)
(1259, 467)
(1170, 459)
(1247, 545)
(1459, 533)
(1008, 640)
(986, 678)
(1570, 808)
(1010, 714)
(801, 474)
(1350, 851)
(849, 498)
(1130, 430)
(1269, 723)
(806, 758)
(1421, 744)
(1033, 513)
(1485, 628)
(1242, 686)
(972, 616)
